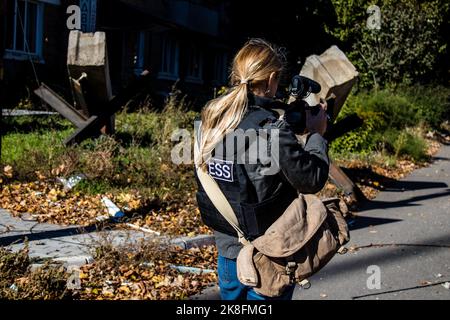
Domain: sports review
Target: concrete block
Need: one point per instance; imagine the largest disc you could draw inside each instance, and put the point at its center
(87, 53)
(335, 73)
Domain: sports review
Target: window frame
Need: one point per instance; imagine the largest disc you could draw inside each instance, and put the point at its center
(220, 68)
(15, 54)
(169, 74)
(194, 53)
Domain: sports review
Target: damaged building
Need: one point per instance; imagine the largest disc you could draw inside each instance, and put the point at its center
(188, 41)
(191, 41)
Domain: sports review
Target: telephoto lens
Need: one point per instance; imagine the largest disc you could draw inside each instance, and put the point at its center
(301, 87)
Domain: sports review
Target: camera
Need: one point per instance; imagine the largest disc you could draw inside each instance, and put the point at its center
(300, 88)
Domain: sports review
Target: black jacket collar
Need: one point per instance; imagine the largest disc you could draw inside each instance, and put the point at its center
(269, 104)
(259, 101)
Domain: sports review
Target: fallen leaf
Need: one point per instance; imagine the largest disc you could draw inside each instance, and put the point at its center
(8, 171)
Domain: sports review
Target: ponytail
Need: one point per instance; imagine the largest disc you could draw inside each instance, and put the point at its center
(220, 115)
(253, 64)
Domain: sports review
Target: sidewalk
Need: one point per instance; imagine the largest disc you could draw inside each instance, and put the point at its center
(74, 245)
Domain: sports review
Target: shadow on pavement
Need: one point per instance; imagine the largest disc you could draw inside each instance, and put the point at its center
(49, 234)
(361, 222)
(365, 176)
(410, 202)
(387, 254)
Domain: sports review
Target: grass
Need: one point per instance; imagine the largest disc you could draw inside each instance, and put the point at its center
(137, 156)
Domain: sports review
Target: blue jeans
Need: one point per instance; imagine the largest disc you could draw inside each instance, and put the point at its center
(232, 289)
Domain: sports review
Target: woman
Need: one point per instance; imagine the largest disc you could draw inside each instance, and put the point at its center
(257, 195)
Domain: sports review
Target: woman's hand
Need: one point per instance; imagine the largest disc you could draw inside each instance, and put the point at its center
(317, 123)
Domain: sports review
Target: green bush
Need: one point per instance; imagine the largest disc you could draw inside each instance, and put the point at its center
(361, 140)
(388, 118)
(404, 143)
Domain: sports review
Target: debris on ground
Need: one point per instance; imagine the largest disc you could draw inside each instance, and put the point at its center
(147, 272)
(48, 202)
(142, 272)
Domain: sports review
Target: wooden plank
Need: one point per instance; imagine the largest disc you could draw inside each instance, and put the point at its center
(60, 105)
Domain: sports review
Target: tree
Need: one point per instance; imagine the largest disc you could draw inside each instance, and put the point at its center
(409, 46)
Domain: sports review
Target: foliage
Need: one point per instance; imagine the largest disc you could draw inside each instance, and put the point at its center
(142, 270)
(388, 118)
(362, 139)
(406, 49)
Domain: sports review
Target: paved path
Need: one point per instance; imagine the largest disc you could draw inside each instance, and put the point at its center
(73, 245)
(415, 212)
(47, 241)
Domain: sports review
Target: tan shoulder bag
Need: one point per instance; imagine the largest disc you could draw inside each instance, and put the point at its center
(298, 244)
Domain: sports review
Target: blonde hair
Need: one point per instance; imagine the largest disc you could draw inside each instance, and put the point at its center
(252, 66)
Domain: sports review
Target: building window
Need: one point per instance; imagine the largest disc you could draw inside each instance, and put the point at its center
(170, 53)
(220, 68)
(24, 31)
(194, 65)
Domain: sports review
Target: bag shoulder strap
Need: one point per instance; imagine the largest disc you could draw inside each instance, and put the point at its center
(219, 200)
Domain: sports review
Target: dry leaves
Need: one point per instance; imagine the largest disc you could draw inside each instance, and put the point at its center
(154, 280)
(48, 202)
(169, 218)
(8, 171)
